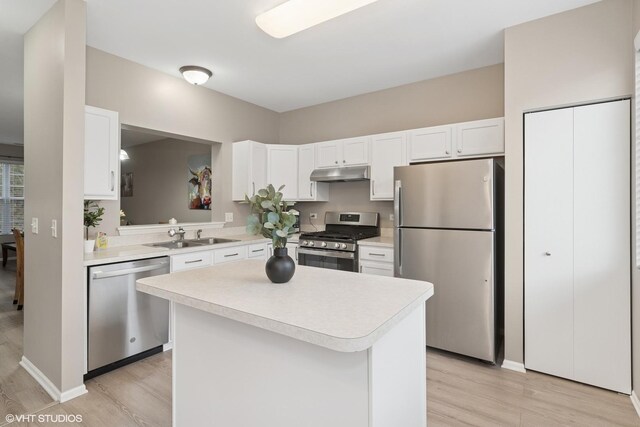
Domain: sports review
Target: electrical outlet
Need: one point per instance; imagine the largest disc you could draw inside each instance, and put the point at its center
(34, 225)
(228, 217)
(54, 228)
(313, 215)
(391, 217)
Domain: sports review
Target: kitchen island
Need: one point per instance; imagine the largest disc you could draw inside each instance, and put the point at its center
(329, 348)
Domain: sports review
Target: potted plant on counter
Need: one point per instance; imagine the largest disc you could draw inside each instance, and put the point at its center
(92, 217)
(269, 217)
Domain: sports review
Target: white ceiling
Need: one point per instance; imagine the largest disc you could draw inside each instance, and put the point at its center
(385, 44)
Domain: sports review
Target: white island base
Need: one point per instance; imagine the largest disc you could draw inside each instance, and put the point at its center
(238, 375)
(328, 349)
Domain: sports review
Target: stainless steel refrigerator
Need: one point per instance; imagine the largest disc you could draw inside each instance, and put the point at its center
(448, 231)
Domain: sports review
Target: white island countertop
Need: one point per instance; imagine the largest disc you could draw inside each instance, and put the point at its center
(339, 310)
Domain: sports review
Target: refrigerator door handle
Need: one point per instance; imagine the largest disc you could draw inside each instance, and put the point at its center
(397, 203)
(397, 245)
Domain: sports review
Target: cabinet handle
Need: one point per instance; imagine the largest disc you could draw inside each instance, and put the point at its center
(257, 250)
(113, 180)
(311, 189)
(446, 152)
(193, 261)
(229, 255)
(374, 254)
(360, 269)
(254, 188)
(459, 150)
(344, 161)
(373, 187)
(547, 253)
(336, 162)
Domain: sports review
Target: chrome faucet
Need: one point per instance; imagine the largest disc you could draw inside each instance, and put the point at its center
(198, 233)
(172, 232)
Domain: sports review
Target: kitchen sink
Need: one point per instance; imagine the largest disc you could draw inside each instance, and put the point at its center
(210, 241)
(178, 244)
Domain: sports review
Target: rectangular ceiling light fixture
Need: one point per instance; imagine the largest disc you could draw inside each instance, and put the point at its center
(294, 16)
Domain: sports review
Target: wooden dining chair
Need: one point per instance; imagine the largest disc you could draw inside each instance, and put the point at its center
(18, 297)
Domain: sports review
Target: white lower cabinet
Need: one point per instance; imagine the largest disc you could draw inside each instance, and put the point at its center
(191, 260)
(577, 244)
(292, 250)
(258, 251)
(377, 260)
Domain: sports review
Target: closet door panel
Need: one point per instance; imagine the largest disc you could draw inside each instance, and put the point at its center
(602, 233)
(549, 242)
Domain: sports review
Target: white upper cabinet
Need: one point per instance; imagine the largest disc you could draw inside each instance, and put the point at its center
(388, 152)
(282, 169)
(249, 169)
(480, 137)
(101, 154)
(307, 189)
(343, 152)
(430, 143)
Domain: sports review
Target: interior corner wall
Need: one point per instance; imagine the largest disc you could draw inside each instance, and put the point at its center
(151, 99)
(469, 95)
(573, 57)
(54, 70)
(635, 273)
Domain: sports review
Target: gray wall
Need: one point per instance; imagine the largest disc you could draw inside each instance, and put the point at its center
(54, 67)
(151, 99)
(471, 95)
(573, 57)
(160, 182)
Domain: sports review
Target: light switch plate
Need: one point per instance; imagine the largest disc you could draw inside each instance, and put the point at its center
(228, 217)
(34, 225)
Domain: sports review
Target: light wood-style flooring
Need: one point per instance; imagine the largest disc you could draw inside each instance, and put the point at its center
(460, 391)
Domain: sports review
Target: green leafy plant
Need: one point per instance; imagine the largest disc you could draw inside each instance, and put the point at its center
(92, 213)
(269, 216)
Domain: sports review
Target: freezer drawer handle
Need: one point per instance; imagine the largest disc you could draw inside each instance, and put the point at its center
(126, 271)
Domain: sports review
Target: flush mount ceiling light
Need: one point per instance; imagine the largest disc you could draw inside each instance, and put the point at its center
(195, 75)
(124, 155)
(296, 15)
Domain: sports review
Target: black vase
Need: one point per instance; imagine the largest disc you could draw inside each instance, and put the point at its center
(280, 267)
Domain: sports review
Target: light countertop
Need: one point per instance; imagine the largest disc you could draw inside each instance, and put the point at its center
(383, 241)
(134, 252)
(339, 310)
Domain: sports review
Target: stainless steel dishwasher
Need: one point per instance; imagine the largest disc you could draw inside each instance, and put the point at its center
(124, 325)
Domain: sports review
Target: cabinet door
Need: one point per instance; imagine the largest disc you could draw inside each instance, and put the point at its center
(292, 249)
(355, 151)
(602, 242)
(376, 268)
(258, 169)
(548, 242)
(388, 150)
(429, 143)
(101, 154)
(328, 154)
(480, 137)
(282, 169)
(306, 165)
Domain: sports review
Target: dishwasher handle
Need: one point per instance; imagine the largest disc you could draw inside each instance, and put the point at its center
(126, 271)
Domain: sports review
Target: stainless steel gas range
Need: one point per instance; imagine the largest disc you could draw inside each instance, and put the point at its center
(337, 246)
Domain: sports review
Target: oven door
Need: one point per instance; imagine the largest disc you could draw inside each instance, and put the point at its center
(334, 260)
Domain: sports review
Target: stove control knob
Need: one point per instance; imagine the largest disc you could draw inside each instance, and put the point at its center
(343, 246)
(336, 245)
(305, 243)
(310, 243)
(323, 244)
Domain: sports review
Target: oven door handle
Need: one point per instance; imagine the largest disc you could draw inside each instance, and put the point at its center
(330, 254)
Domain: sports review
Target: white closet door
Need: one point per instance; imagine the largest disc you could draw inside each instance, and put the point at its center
(602, 257)
(549, 242)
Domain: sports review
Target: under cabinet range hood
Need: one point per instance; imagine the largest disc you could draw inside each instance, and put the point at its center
(354, 173)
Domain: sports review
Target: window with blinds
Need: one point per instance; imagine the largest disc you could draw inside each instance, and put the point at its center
(12, 197)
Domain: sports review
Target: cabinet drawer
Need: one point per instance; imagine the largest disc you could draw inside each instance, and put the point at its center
(191, 260)
(230, 254)
(377, 268)
(258, 251)
(376, 253)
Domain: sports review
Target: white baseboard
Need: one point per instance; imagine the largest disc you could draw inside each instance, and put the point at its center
(513, 366)
(48, 386)
(167, 346)
(635, 401)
